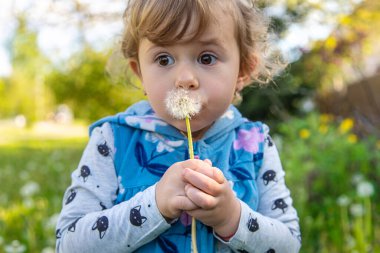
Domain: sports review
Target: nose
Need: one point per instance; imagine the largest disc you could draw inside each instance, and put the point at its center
(186, 78)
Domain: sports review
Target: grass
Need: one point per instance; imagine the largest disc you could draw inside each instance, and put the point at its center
(34, 173)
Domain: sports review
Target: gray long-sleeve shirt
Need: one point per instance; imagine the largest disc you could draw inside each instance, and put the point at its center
(91, 222)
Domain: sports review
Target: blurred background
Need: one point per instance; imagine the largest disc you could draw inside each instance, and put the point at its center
(59, 71)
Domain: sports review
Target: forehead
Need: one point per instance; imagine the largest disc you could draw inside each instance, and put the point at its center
(220, 28)
(172, 22)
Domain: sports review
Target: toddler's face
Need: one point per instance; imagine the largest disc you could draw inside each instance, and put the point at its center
(208, 67)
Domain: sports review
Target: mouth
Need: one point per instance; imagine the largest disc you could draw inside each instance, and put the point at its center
(179, 104)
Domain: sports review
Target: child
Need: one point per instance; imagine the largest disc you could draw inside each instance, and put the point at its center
(135, 187)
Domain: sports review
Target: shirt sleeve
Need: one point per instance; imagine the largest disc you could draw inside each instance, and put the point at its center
(274, 227)
(89, 221)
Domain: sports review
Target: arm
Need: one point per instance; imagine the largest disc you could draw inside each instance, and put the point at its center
(89, 221)
(275, 224)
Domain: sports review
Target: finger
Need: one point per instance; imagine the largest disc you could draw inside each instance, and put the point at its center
(208, 161)
(202, 182)
(217, 175)
(200, 198)
(184, 203)
(197, 165)
(203, 167)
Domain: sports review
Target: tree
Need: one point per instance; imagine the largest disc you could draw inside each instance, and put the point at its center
(24, 91)
(85, 86)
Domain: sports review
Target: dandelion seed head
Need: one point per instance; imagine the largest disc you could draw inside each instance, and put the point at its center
(357, 210)
(365, 189)
(15, 247)
(180, 105)
(343, 200)
(357, 178)
(48, 250)
(29, 189)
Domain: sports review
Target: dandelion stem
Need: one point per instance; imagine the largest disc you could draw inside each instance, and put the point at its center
(359, 234)
(368, 219)
(189, 138)
(191, 154)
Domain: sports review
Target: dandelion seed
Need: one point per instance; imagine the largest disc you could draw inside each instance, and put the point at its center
(351, 242)
(180, 105)
(48, 250)
(28, 202)
(15, 247)
(343, 200)
(357, 210)
(52, 221)
(29, 189)
(357, 178)
(365, 189)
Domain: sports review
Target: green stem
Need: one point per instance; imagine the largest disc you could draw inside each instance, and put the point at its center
(359, 234)
(191, 154)
(189, 138)
(368, 220)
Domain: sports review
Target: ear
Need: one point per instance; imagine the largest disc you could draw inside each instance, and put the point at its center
(246, 70)
(135, 66)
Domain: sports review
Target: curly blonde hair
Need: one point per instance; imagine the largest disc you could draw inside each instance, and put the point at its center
(165, 22)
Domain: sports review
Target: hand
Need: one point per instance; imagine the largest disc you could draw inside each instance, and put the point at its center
(208, 189)
(170, 192)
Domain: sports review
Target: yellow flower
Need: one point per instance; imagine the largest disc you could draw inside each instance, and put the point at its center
(304, 133)
(346, 125)
(326, 118)
(352, 138)
(378, 144)
(323, 129)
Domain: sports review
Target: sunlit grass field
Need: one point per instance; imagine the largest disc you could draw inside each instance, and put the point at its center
(34, 172)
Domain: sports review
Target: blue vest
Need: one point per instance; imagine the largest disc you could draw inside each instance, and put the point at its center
(146, 147)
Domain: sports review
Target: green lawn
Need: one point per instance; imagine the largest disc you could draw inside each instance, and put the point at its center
(34, 172)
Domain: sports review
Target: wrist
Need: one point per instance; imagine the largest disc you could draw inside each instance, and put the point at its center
(229, 228)
(161, 205)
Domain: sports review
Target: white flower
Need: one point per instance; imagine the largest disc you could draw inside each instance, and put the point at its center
(351, 242)
(29, 189)
(343, 200)
(52, 221)
(357, 178)
(48, 250)
(15, 247)
(180, 105)
(357, 210)
(308, 105)
(28, 202)
(365, 189)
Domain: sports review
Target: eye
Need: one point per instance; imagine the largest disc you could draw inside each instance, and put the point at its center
(207, 59)
(164, 60)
